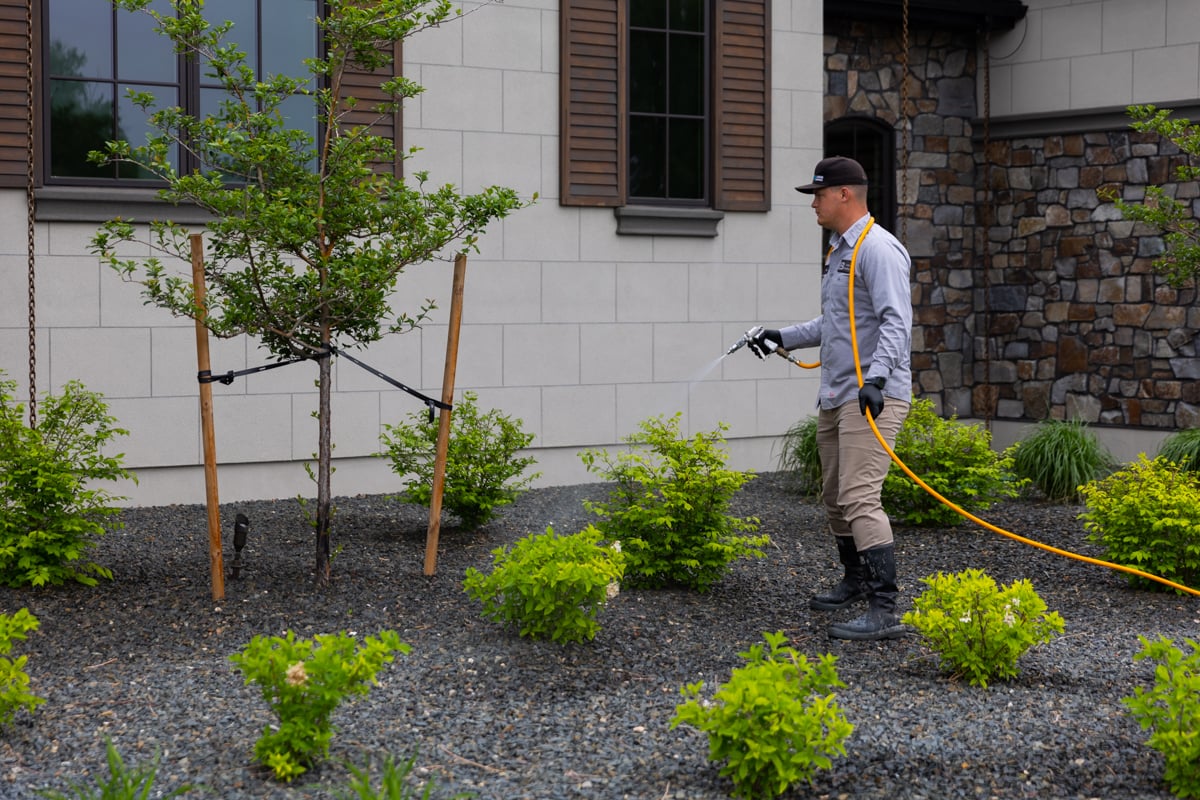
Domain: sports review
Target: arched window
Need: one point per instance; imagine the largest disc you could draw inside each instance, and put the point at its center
(871, 143)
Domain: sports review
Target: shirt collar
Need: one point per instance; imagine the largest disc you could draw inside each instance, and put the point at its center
(851, 234)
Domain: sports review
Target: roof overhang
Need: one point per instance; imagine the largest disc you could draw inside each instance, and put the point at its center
(979, 15)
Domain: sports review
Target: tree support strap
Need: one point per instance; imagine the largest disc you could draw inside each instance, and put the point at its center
(206, 376)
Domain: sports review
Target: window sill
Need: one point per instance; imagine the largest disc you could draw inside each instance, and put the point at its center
(102, 203)
(667, 221)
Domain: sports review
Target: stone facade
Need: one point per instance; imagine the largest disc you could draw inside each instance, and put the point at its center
(1062, 316)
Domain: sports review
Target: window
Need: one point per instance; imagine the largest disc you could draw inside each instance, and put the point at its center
(870, 142)
(94, 54)
(666, 102)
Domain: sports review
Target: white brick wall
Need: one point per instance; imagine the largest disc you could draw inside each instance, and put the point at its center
(578, 332)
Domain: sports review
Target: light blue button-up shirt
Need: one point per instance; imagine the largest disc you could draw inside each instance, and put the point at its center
(882, 312)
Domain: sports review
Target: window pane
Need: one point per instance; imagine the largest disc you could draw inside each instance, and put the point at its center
(290, 37)
(687, 74)
(647, 157)
(143, 54)
(648, 13)
(300, 113)
(685, 179)
(81, 120)
(647, 72)
(133, 124)
(242, 13)
(81, 38)
(687, 15)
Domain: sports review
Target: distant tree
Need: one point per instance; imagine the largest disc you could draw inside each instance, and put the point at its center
(1180, 261)
(308, 237)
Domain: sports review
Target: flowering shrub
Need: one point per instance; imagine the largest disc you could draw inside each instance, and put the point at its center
(774, 723)
(978, 630)
(1171, 708)
(1147, 516)
(14, 681)
(669, 505)
(550, 586)
(303, 681)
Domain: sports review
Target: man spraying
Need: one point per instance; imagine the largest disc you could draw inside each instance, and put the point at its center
(853, 464)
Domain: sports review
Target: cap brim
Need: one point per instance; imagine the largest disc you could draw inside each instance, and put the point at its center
(809, 188)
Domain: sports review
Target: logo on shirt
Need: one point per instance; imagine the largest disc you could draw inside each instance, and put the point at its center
(844, 267)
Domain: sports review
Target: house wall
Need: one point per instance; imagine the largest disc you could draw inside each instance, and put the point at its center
(578, 332)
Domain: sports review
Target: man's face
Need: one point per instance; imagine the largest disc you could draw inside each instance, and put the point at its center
(827, 203)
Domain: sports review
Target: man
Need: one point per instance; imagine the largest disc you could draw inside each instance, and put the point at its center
(853, 463)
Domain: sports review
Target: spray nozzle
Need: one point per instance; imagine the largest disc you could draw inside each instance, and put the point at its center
(745, 340)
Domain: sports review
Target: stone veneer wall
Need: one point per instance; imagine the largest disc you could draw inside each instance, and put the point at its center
(1074, 322)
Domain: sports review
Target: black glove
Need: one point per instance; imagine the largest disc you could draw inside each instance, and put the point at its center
(763, 341)
(871, 396)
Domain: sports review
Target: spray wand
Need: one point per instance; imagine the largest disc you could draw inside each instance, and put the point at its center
(778, 350)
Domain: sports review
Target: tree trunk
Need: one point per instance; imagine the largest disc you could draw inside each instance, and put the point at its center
(324, 470)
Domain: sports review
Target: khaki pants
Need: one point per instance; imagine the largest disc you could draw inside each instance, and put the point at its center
(853, 466)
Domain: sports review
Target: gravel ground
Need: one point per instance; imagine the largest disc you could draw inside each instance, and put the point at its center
(143, 659)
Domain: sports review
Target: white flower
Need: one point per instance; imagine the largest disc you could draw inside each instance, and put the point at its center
(612, 590)
(965, 618)
(296, 676)
(616, 545)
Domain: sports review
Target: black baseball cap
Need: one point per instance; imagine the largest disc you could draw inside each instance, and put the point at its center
(835, 171)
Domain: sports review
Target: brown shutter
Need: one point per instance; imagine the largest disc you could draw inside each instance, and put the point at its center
(15, 104)
(364, 87)
(592, 103)
(742, 106)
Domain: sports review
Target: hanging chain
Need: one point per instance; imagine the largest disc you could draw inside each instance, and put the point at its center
(31, 214)
(988, 213)
(905, 133)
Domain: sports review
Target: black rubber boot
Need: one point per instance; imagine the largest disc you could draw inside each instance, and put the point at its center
(852, 587)
(880, 621)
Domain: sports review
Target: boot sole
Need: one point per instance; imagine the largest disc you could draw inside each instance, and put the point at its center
(820, 605)
(893, 632)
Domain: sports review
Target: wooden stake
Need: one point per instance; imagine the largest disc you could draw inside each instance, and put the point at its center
(443, 440)
(215, 557)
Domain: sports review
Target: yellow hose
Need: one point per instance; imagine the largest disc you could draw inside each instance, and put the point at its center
(943, 500)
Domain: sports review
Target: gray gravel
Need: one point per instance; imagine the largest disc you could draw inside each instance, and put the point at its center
(143, 659)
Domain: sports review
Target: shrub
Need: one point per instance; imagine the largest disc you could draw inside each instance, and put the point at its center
(1171, 709)
(979, 630)
(303, 681)
(1182, 448)
(481, 462)
(123, 782)
(955, 459)
(800, 457)
(1058, 457)
(395, 782)
(550, 586)
(774, 723)
(14, 681)
(668, 506)
(49, 518)
(1147, 516)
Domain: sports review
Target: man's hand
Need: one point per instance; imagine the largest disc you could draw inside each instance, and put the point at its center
(870, 396)
(763, 341)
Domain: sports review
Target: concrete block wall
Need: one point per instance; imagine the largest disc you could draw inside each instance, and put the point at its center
(578, 332)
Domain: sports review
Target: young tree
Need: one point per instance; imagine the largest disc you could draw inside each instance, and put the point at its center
(307, 237)
(1180, 261)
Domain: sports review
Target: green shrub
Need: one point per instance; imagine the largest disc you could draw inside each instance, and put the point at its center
(775, 723)
(395, 782)
(1182, 448)
(123, 782)
(482, 466)
(1058, 457)
(980, 630)
(955, 459)
(14, 681)
(49, 517)
(800, 458)
(304, 681)
(1147, 516)
(550, 586)
(669, 504)
(1171, 709)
